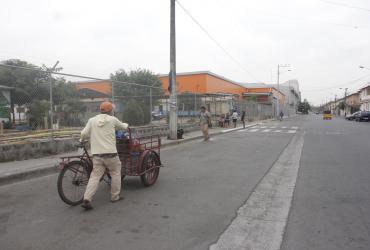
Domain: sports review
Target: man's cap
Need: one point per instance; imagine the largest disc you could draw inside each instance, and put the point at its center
(106, 107)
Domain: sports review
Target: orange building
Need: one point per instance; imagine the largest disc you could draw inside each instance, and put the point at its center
(203, 82)
(97, 89)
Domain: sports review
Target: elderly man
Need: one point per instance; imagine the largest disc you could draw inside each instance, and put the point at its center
(205, 120)
(101, 131)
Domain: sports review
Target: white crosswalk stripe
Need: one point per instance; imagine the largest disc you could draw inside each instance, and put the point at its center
(291, 131)
(272, 129)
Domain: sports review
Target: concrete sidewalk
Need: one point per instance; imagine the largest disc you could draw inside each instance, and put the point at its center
(21, 170)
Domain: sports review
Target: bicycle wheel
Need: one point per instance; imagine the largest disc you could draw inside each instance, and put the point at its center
(72, 182)
(151, 164)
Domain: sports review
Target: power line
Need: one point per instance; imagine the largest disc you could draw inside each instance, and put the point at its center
(73, 75)
(345, 5)
(341, 85)
(215, 41)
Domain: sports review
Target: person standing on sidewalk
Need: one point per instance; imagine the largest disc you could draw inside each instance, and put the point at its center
(101, 131)
(205, 120)
(234, 116)
(242, 118)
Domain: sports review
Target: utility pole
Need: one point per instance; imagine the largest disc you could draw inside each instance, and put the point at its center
(278, 73)
(278, 77)
(173, 96)
(51, 99)
(113, 98)
(345, 102)
(151, 104)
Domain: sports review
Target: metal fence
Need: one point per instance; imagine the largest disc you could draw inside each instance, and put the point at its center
(50, 104)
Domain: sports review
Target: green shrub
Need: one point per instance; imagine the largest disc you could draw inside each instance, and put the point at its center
(133, 113)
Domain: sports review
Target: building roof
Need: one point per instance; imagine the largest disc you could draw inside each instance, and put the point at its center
(104, 87)
(254, 85)
(91, 93)
(365, 87)
(205, 72)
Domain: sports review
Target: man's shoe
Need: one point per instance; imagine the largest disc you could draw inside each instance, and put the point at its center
(119, 199)
(86, 204)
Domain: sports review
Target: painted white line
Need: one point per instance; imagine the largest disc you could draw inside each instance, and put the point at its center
(273, 127)
(283, 127)
(266, 130)
(261, 221)
(291, 131)
(263, 127)
(277, 131)
(294, 127)
(253, 130)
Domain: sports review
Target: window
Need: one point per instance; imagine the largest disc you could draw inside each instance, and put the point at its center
(368, 91)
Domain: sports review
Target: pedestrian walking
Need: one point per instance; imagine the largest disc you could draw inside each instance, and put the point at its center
(101, 131)
(227, 120)
(234, 116)
(205, 120)
(281, 115)
(242, 118)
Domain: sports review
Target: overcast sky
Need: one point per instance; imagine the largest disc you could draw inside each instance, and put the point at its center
(324, 43)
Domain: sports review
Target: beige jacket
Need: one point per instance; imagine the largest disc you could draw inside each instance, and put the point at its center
(101, 131)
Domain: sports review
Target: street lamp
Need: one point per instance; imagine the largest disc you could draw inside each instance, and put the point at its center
(278, 72)
(363, 67)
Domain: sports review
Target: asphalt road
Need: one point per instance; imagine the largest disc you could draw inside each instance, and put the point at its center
(331, 204)
(194, 200)
(207, 190)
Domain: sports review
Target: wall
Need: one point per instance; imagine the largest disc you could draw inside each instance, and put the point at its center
(100, 86)
(187, 83)
(217, 85)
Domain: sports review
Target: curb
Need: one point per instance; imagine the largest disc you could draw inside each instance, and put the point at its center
(48, 170)
(29, 174)
(180, 141)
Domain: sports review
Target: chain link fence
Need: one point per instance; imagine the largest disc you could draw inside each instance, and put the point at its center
(46, 104)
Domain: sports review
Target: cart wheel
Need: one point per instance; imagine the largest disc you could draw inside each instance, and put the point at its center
(72, 181)
(150, 164)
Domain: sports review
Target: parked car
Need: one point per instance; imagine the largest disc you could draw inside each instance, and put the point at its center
(362, 116)
(157, 115)
(351, 117)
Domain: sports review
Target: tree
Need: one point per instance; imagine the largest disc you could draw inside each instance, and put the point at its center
(304, 107)
(125, 92)
(133, 113)
(36, 113)
(31, 89)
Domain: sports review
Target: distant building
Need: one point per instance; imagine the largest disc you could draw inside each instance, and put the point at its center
(203, 82)
(93, 93)
(352, 103)
(292, 96)
(265, 94)
(206, 82)
(365, 98)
